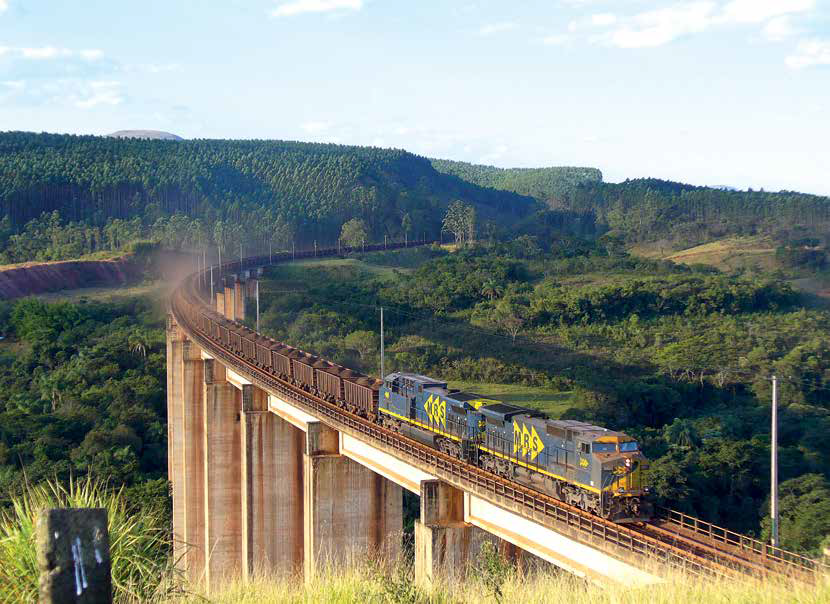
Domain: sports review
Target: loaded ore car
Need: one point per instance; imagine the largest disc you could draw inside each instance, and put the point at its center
(303, 367)
(281, 357)
(361, 396)
(331, 379)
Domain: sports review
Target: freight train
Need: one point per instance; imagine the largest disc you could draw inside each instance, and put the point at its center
(598, 470)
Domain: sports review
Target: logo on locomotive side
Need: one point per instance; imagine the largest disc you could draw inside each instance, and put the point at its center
(436, 410)
(526, 440)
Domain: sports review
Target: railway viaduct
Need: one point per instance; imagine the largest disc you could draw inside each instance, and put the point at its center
(267, 478)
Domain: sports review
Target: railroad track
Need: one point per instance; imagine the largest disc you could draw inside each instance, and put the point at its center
(667, 542)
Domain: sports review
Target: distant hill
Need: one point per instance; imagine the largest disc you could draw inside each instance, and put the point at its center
(148, 134)
(314, 188)
(545, 184)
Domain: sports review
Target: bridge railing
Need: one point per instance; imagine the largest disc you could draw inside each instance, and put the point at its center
(742, 542)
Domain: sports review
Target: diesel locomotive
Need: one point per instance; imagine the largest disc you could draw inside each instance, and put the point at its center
(593, 468)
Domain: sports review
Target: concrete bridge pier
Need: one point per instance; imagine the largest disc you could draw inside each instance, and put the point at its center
(230, 298)
(191, 431)
(349, 511)
(175, 443)
(445, 544)
(223, 476)
(239, 299)
(272, 511)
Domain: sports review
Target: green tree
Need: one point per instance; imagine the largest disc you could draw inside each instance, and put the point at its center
(353, 233)
(804, 511)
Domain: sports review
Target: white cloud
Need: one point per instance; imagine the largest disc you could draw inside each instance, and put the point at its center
(4, 5)
(100, 93)
(44, 52)
(603, 19)
(163, 68)
(495, 28)
(296, 7)
(779, 28)
(315, 127)
(661, 26)
(91, 54)
(809, 53)
(555, 40)
(758, 11)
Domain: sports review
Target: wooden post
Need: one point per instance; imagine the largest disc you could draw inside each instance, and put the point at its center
(73, 552)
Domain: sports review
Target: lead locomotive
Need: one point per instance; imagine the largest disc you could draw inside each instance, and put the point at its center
(593, 468)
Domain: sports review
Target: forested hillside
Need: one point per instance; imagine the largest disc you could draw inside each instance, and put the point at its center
(545, 184)
(310, 189)
(651, 209)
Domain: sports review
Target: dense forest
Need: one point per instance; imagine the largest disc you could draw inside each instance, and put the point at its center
(311, 188)
(542, 183)
(678, 357)
(83, 393)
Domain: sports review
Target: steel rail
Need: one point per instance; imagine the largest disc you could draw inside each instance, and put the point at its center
(620, 541)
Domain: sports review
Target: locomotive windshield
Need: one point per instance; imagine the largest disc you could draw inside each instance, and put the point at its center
(628, 447)
(604, 447)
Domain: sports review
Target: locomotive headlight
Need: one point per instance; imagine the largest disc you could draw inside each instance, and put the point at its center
(621, 490)
(628, 461)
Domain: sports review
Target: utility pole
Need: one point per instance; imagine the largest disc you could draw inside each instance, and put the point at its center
(382, 374)
(240, 256)
(315, 248)
(774, 472)
(293, 255)
(270, 250)
(384, 242)
(204, 264)
(212, 299)
(257, 305)
(219, 247)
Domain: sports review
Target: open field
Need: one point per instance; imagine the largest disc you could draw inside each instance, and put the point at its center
(756, 253)
(154, 289)
(552, 402)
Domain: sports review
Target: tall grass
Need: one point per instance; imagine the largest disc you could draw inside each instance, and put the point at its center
(139, 543)
(367, 584)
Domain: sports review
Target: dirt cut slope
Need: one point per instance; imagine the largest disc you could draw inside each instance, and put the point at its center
(36, 278)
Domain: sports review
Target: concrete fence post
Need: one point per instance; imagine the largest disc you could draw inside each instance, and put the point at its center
(73, 552)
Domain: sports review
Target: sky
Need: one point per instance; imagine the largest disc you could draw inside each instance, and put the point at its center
(709, 92)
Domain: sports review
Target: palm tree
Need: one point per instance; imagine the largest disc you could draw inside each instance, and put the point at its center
(491, 289)
(138, 342)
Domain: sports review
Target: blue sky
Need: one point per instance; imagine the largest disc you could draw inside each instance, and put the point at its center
(717, 92)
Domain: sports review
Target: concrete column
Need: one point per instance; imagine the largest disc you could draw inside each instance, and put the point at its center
(272, 510)
(349, 511)
(444, 543)
(175, 435)
(222, 459)
(192, 403)
(230, 306)
(239, 300)
(220, 303)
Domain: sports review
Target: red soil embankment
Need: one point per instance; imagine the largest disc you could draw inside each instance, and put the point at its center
(37, 278)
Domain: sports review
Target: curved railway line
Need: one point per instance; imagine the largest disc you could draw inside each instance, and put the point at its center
(672, 539)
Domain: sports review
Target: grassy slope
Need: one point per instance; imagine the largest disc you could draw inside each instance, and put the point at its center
(726, 254)
(553, 402)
